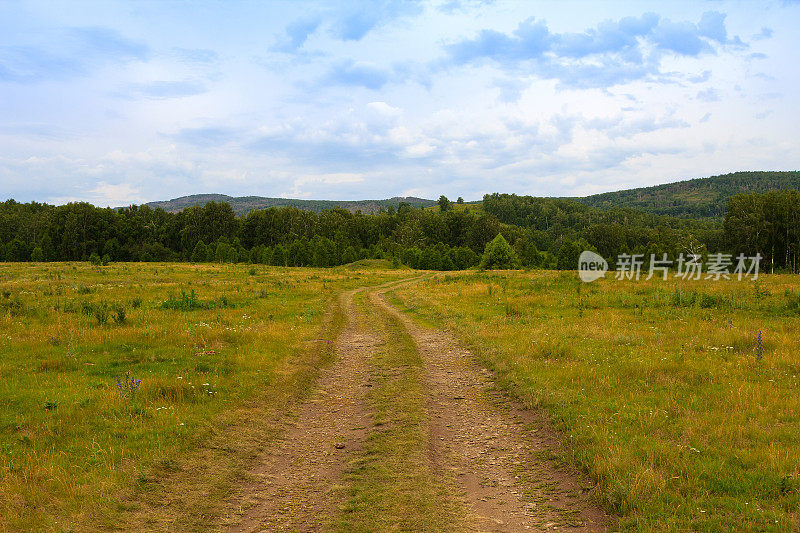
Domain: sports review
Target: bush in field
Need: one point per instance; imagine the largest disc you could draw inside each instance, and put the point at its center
(188, 301)
(119, 315)
(101, 314)
(184, 302)
(499, 255)
(793, 301)
(127, 386)
(12, 306)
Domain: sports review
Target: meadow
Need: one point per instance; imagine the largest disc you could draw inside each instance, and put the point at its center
(682, 399)
(122, 384)
(136, 396)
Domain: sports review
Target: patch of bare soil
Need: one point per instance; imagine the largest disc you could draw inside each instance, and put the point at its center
(292, 488)
(498, 453)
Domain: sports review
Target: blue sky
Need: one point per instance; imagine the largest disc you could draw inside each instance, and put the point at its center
(127, 102)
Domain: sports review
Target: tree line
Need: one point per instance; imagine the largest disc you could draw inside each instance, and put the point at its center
(541, 233)
(767, 224)
(284, 236)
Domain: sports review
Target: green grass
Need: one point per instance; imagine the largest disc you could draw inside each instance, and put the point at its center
(217, 366)
(656, 387)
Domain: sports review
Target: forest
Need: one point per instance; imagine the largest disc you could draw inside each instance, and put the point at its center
(696, 198)
(543, 232)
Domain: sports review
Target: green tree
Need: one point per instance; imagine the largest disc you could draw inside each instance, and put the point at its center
(349, 255)
(224, 252)
(200, 252)
(431, 258)
(499, 255)
(445, 204)
(279, 255)
(528, 253)
(17, 251)
(411, 257)
(569, 253)
(37, 255)
(111, 248)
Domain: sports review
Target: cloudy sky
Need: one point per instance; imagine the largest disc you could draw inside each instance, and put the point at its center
(127, 102)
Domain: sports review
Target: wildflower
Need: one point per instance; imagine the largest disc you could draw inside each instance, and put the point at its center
(128, 386)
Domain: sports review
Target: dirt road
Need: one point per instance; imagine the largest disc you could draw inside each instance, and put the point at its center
(473, 458)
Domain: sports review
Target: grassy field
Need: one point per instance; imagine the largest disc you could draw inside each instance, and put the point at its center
(120, 383)
(135, 395)
(662, 391)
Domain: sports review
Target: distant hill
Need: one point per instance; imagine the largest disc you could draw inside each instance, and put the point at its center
(244, 204)
(702, 198)
(697, 198)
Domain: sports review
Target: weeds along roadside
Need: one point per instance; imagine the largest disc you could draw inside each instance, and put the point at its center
(667, 395)
(212, 480)
(77, 451)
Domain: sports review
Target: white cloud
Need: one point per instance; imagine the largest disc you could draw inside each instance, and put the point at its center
(244, 108)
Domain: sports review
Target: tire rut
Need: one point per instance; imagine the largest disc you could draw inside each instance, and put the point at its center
(496, 453)
(293, 487)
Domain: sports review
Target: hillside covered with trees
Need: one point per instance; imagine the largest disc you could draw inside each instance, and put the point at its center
(242, 205)
(541, 232)
(697, 198)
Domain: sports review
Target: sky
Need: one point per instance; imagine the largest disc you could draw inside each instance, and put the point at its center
(117, 103)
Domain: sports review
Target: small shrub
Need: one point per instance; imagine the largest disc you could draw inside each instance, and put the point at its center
(792, 302)
(13, 306)
(86, 308)
(513, 310)
(184, 302)
(223, 303)
(189, 302)
(759, 290)
(119, 315)
(101, 314)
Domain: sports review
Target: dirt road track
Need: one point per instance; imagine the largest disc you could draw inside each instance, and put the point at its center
(498, 451)
(493, 454)
(292, 486)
